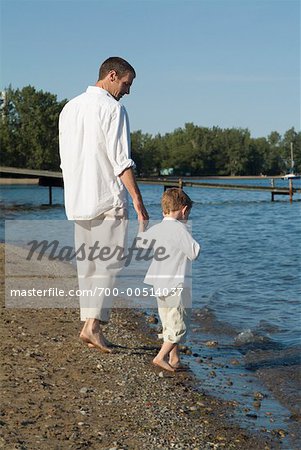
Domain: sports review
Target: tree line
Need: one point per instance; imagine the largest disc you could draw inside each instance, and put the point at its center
(29, 139)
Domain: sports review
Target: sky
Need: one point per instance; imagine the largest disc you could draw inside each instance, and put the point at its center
(224, 63)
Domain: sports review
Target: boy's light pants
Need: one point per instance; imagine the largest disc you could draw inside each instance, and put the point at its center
(104, 240)
(175, 315)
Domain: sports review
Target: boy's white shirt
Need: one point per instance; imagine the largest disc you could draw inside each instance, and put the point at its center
(181, 248)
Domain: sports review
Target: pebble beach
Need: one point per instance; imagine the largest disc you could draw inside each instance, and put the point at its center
(59, 394)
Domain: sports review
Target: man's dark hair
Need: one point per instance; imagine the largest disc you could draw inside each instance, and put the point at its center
(121, 67)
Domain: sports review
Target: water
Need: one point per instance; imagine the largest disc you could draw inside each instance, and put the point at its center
(246, 293)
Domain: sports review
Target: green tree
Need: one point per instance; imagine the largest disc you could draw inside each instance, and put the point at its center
(29, 129)
(272, 154)
(292, 139)
(29, 138)
(145, 153)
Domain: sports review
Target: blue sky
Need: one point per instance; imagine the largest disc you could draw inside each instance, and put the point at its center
(226, 63)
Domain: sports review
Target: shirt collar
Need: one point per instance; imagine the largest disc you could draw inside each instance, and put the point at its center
(169, 218)
(99, 90)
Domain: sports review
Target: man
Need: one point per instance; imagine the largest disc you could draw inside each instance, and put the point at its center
(97, 171)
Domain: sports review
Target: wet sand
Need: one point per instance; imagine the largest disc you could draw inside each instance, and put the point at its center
(58, 394)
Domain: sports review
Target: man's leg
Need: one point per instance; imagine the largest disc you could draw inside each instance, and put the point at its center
(97, 274)
(91, 332)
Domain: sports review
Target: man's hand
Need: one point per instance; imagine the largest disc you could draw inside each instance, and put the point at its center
(128, 179)
(140, 209)
(142, 214)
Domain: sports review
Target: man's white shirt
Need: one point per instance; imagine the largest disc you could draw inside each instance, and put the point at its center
(94, 138)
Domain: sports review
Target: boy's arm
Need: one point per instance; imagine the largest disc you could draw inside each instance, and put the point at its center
(189, 246)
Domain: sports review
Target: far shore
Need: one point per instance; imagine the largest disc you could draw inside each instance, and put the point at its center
(19, 181)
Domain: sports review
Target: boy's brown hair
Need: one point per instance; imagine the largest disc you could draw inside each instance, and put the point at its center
(174, 199)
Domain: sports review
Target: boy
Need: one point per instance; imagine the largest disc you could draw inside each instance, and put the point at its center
(170, 274)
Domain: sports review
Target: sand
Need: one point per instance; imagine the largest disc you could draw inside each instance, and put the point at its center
(59, 394)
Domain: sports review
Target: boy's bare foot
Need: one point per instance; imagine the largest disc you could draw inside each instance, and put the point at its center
(174, 357)
(180, 367)
(174, 363)
(163, 364)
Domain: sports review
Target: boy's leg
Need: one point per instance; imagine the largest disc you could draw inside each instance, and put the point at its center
(177, 323)
(161, 358)
(174, 357)
(174, 312)
(162, 311)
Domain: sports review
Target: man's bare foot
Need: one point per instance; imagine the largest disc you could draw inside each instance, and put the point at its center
(92, 334)
(95, 341)
(106, 342)
(163, 364)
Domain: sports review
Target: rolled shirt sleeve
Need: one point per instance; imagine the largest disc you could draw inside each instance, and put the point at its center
(118, 141)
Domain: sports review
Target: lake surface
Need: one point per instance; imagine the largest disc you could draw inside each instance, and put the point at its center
(246, 294)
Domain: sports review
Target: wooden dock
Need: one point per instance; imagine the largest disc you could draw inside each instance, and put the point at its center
(290, 190)
(46, 177)
(55, 179)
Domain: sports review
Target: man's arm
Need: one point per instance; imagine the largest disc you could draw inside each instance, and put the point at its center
(128, 179)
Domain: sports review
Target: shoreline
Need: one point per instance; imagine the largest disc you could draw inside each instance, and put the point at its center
(9, 181)
(57, 393)
(35, 181)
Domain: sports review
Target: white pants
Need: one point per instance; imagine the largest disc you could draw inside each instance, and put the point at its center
(104, 240)
(175, 315)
